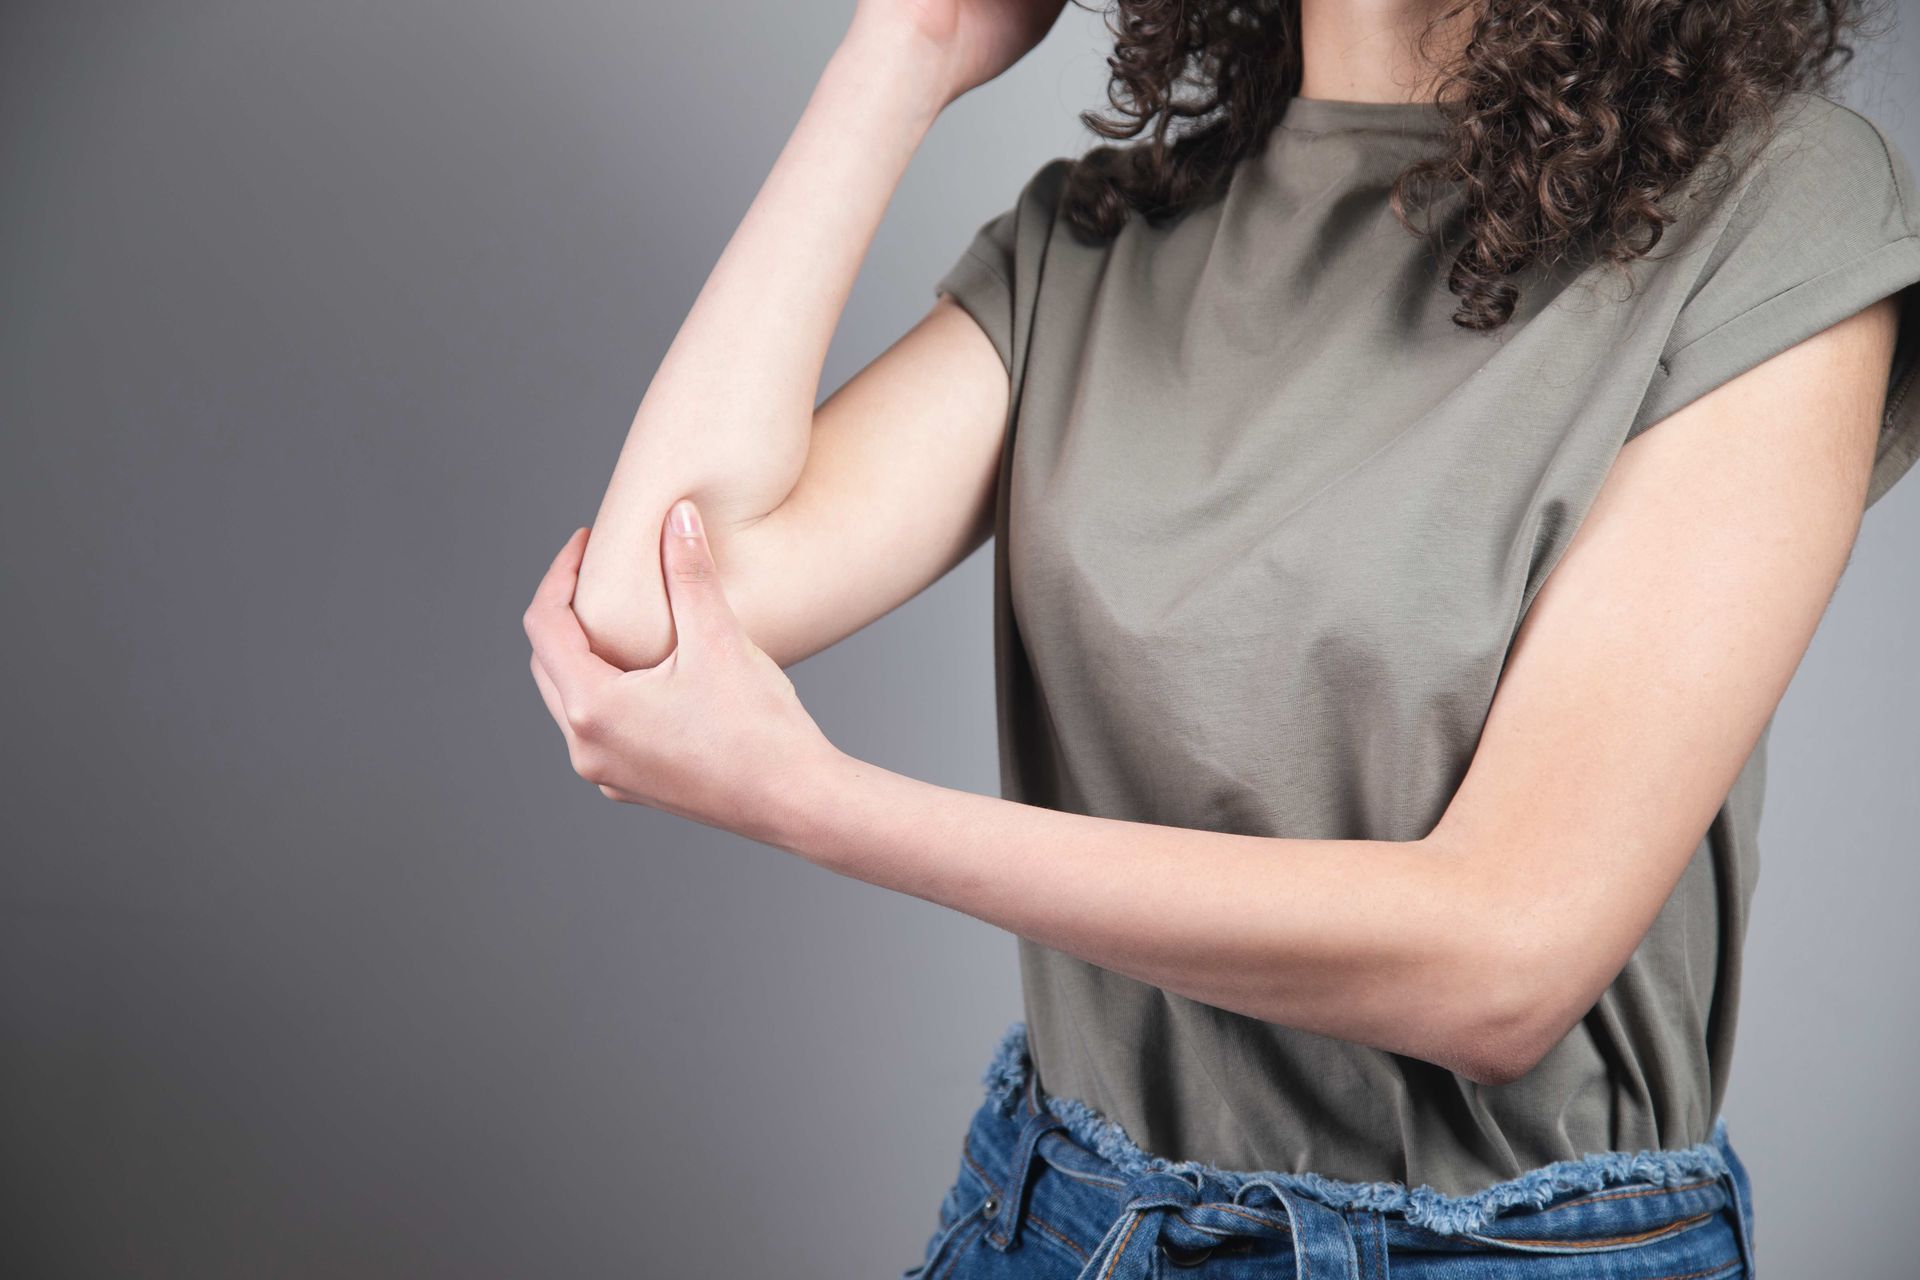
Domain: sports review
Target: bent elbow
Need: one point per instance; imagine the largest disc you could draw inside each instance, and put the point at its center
(1498, 1062)
(1515, 978)
(618, 629)
(1520, 1008)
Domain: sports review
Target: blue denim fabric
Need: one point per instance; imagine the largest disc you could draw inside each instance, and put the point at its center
(1049, 1188)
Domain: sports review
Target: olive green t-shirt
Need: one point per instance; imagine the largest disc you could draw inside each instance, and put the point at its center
(1267, 523)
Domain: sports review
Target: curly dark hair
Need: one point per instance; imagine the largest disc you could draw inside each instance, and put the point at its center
(1569, 122)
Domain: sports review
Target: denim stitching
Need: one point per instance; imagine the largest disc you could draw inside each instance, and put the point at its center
(958, 1247)
(1008, 1070)
(1251, 1216)
(1628, 1195)
(1114, 1261)
(1034, 1219)
(1671, 1228)
(993, 1189)
(1091, 1179)
(967, 1155)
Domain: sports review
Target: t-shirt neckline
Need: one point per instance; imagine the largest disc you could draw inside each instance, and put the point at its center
(1330, 115)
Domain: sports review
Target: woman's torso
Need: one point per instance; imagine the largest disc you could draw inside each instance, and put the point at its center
(1268, 522)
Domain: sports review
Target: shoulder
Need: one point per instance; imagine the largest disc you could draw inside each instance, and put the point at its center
(1821, 221)
(1042, 199)
(1049, 181)
(996, 275)
(1820, 198)
(1839, 138)
(1041, 194)
(1824, 165)
(1021, 230)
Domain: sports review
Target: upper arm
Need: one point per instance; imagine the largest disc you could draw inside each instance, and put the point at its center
(897, 488)
(1650, 662)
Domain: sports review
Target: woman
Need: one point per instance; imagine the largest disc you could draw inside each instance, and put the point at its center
(1383, 700)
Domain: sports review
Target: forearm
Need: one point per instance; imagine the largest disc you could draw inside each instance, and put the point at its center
(728, 415)
(1384, 943)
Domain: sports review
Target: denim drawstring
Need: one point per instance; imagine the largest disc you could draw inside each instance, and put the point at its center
(1172, 1209)
(1167, 1209)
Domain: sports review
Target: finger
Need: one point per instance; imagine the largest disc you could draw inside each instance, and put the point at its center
(702, 619)
(549, 694)
(557, 709)
(562, 647)
(556, 586)
(576, 670)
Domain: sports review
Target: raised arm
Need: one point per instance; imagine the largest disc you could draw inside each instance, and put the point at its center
(891, 479)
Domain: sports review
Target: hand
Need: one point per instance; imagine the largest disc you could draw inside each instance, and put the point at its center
(714, 733)
(976, 39)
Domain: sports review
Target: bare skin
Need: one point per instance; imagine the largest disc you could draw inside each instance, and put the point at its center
(730, 419)
(1364, 50)
(1645, 671)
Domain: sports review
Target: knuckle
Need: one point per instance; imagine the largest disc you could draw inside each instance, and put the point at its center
(694, 568)
(585, 719)
(587, 763)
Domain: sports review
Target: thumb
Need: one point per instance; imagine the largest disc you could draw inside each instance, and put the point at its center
(702, 619)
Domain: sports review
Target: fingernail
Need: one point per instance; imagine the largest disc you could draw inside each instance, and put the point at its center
(686, 520)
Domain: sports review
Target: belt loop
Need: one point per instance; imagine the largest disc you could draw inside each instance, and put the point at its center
(1740, 1192)
(1004, 1234)
(1370, 1241)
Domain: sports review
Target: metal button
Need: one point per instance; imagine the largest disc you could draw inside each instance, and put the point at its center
(991, 1207)
(1182, 1258)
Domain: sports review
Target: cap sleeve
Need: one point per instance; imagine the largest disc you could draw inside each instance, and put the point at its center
(1827, 223)
(997, 275)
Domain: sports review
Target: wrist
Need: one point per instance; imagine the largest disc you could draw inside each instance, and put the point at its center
(894, 60)
(790, 812)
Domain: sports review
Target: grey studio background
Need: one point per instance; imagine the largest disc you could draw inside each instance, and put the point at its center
(322, 325)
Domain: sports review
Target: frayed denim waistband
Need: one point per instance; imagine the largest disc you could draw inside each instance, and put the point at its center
(1006, 1079)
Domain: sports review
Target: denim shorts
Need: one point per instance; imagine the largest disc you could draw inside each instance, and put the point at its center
(1049, 1188)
